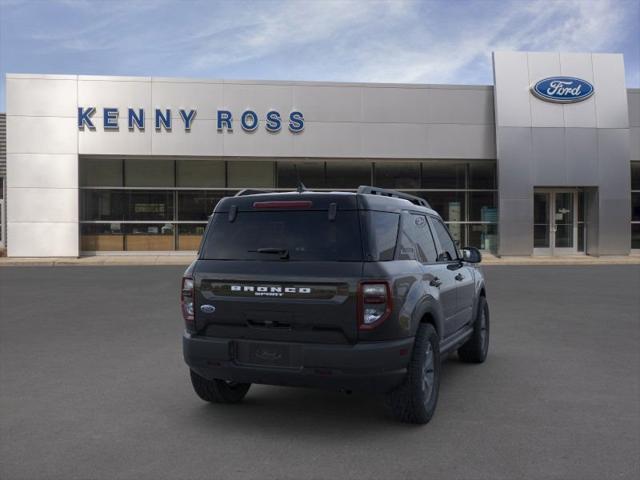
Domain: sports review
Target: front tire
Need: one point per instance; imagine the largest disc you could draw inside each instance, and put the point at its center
(218, 391)
(476, 348)
(415, 400)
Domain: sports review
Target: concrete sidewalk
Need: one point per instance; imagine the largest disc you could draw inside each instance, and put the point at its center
(185, 260)
(98, 260)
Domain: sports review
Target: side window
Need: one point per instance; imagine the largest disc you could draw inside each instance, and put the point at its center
(407, 249)
(449, 251)
(416, 242)
(384, 232)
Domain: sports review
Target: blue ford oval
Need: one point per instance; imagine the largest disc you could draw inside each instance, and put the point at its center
(562, 89)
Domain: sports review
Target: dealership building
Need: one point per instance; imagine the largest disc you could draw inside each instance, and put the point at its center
(546, 161)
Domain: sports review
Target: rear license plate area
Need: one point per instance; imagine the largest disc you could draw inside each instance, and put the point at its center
(267, 354)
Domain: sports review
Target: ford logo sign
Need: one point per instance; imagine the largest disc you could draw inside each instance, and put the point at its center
(207, 308)
(562, 89)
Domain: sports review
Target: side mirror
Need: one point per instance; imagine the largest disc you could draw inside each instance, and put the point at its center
(471, 255)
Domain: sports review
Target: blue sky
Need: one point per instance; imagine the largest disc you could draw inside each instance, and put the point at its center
(440, 41)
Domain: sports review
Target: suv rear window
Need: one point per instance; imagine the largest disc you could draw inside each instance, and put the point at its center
(267, 235)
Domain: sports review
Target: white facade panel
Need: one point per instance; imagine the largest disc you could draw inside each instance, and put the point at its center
(634, 133)
(327, 140)
(581, 114)
(120, 141)
(41, 97)
(395, 140)
(114, 93)
(260, 143)
(260, 98)
(205, 97)
(612, 109)
(328, 103)
(41, 134)
(395, 105)
(511, 73)
(460, 106)
(42, 239)
(461, 141)
(203, 139)
(42, 205)
(634, 107)
(42, 170)
(544, 114)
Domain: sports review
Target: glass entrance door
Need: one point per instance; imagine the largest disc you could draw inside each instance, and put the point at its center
(554, 222)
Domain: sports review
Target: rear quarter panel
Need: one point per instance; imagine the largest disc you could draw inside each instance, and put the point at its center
(410, 298)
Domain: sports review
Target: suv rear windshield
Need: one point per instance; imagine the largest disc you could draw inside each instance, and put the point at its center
(284, 235)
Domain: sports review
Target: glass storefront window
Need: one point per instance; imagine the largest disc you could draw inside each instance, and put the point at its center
(348, 174)
(149, 173)
(483, 236)
(208, 181)
(442, 175)
(101, 172)
(126, 205)
(200, 173)
(450, 205)
(148, 237)
(95, 237)
(482, 207)
(635, 235)
(482, 175)
(310, 173)
(190, 235)
(258, 174)
(635, 175)
(150, 205)
(635, 206)
(397, 175)
(103, 205)
(199, 205)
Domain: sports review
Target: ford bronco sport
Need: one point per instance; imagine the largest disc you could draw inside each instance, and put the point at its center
(358, 291)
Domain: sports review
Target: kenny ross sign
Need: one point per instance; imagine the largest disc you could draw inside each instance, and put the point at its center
(249, 120)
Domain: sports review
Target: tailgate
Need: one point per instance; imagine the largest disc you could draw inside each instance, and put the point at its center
(311, 302)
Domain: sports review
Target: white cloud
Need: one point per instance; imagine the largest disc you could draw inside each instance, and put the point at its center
(350, 40)
(571, 25)
(267, 28)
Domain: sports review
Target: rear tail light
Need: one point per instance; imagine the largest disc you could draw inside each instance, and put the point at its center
(374, 304)
(186, 301)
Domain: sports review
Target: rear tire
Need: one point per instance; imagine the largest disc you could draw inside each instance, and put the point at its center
(476, 348)
(415, 400)
(218, 391)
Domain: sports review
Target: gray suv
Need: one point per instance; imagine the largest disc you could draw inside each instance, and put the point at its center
(361, 291)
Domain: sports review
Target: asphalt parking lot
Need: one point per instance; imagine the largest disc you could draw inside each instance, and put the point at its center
(92, 386)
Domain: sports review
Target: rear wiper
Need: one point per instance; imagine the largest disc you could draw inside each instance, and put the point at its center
(283, 252)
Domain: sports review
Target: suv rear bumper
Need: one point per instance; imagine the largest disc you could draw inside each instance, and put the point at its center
(366, 366)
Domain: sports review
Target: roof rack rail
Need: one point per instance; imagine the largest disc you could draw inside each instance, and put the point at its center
(251, 191)
(365, 189)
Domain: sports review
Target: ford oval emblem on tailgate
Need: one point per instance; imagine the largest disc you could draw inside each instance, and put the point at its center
(207, 308)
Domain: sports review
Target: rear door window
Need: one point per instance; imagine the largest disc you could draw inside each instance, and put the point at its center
(284, 235)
